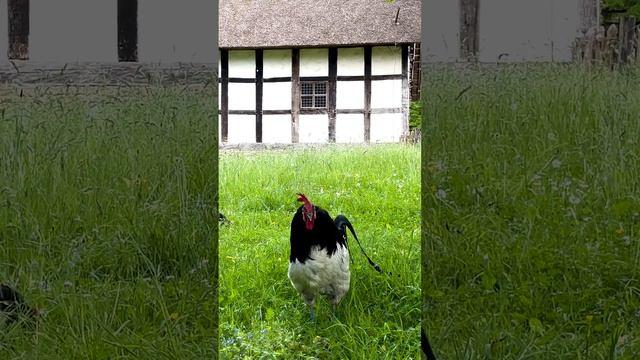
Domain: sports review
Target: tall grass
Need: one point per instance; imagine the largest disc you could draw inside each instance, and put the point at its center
(531, 179)
(261, 315)
(106, 222)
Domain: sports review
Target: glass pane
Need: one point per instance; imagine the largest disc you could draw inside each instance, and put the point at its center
(321, 88)
(307, 101)
(307, 88)
(321, 101)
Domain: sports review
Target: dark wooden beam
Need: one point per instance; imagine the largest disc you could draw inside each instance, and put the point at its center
(259, 85)
(331, 92)
(128, 30)
(18, 18)
(295, 95)
(469, 37)
(405, 88)
(367, 93)
(224, 93)
(242, 80)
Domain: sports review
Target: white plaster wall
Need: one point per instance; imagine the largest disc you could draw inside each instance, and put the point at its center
(242, 96)
(72, 30)
(350, 128)
(350, 61)
(350, 95)
(564, 28)
(386, 93)
(386, 127)
(313, 128)
(276, 96)
(171, 30)
(520, 28)
(276, 63)
(276, 129)
(386, 60)
(314, 62)
(540, 30)
(242, 129)
(242, 63)
(440, 24)
(4, 33)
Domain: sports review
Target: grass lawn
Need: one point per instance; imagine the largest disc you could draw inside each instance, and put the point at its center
(531, 179)
(106, 222)
(261, 315)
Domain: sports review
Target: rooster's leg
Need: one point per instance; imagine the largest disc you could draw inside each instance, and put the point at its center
(312, 316)
(310, 300)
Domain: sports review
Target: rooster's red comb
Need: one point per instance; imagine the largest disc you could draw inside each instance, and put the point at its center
(303, 198)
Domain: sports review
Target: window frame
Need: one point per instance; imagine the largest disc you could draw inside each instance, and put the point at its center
(314, 94)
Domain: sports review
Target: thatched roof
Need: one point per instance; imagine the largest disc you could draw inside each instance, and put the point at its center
(308, 23)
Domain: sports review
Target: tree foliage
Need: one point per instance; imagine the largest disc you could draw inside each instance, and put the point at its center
(625, 7)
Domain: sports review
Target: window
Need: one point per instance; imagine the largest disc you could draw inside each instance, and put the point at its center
(313, 94)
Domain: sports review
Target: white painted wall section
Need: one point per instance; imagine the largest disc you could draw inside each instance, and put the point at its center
(386, 127)
(276, 63)
(58, 33)
(386, 94)
(242, 64)
(440, 29)
(314, 62)
(242, 129)
(524, 34)
(565, 28)
(242, 96)
(386, 60)
(351, 62)
(276, 96)
(4, 33)
(313, 128)
(171, 31)
(350, 128)
(350, 95)
(276, 129)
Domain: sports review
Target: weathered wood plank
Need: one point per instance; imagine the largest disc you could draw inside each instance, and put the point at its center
(331, 90)
(259, 87)
(469, 35)
(589, 17)
(18, 18)
(224, 94)
(367, 93)
(295, 95)
(128, 30)
(405, 89)
(626, 38)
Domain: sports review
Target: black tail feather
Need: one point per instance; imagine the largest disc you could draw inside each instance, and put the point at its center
(426, 347)
(341, 222)
(222, 219)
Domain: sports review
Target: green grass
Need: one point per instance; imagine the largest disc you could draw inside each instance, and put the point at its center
(531, 197)
(107, 222)
(261, 315)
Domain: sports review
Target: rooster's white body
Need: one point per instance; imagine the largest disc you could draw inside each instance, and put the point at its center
(322, 274)
(319, 257)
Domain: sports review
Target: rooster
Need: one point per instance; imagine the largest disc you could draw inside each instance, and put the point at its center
(12, 305)
(319, 257)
